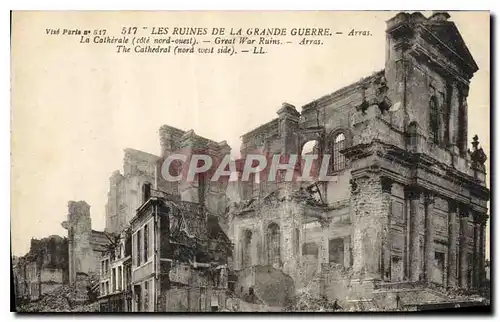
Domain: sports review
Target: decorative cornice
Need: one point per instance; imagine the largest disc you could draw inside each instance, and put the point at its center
(423, 161)
(459, 60)
(420, 52)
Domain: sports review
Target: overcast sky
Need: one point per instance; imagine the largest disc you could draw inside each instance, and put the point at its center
(76, 107)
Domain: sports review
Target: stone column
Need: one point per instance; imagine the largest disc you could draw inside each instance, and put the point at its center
(347, 251)
(287, 227)
(254, 251)
(386, 229)
(453, 118)
(238, 250)
(263, 244)
(429, 237)
(415, 218)
(452, 244)
(323, 247)
(477, 255)
(464, 109)
(463, 248)
(288, 124)
(482, 252)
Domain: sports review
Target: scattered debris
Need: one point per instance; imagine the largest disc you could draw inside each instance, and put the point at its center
(307, 302)
(65, 298)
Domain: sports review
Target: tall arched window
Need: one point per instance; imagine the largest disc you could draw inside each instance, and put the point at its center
(434, 119)
(338, 159)
(247, 250)
(273, 244)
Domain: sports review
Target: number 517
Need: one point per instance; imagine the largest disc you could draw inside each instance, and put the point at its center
(129, 30)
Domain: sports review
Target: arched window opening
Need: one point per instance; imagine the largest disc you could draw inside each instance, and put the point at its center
(146, 192)
(310, 148)
(247, 250)
(338, 159)
(273, 242)
(434, 119)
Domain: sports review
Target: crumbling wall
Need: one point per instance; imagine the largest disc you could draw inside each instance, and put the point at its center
(64, 298)
(201, 189)
(192, 299)
(270, 285)
(79, 233)
(84, 244)
(257, 219)
(53, 275)
(43, 268)
(126, 190)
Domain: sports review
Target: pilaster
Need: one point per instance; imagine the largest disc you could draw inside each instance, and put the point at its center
(463, 248)
(452, 244)
(287, 128)
(483, 249)
(429, 237)
(386, 184)
(479, 256)
(453, 118)
(415, 218)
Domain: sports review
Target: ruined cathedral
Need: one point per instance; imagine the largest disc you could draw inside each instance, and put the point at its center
(401, 223)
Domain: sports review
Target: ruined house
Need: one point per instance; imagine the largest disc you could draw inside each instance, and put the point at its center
(43, 269)
(406, 210)
(179, 257)
(115, 275)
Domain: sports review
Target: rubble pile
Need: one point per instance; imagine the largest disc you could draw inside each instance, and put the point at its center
(306, 302)
(236, 304)
(62, 299)
(65, 298)
(91, 307)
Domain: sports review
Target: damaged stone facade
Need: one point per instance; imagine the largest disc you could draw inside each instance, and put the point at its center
(179, 257)
(43, 269)
(125, 191)
(85, 245)
(409, 199)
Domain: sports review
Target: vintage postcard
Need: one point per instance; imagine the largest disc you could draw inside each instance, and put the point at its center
(232, 161)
